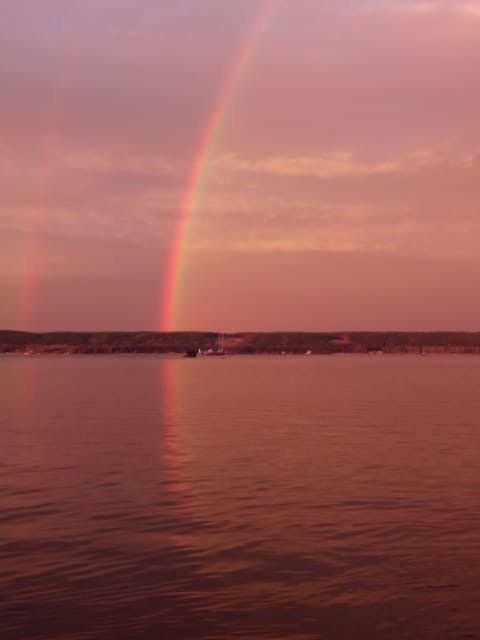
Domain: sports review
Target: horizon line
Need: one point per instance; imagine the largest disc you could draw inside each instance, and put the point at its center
(239, 331)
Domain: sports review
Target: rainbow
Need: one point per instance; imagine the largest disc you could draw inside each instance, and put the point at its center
(199, 168)
(34, 253)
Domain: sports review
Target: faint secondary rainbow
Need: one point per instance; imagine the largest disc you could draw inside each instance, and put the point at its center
(35, 254)
(198, 171)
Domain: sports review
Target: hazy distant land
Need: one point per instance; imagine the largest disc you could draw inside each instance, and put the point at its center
(239, 343)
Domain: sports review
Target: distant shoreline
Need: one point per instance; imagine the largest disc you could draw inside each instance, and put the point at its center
(323, 343)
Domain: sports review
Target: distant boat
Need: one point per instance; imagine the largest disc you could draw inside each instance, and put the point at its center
(191, 353)
(219, 349)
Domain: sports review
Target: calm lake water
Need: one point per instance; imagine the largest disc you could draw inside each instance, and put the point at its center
(330, 497)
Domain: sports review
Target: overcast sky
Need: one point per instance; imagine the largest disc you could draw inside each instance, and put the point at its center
(343, 191)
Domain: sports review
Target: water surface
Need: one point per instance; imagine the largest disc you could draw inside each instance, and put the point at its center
(298, 497)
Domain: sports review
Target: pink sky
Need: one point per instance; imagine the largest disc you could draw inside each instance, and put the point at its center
(342, 192)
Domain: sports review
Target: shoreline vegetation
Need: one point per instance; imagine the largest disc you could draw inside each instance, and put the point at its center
(110, 342)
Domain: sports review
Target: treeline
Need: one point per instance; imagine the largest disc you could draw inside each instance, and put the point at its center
(249, 342)
(104, 342)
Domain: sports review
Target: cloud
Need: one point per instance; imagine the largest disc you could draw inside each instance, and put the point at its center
(54, 157)
(336, 164)
(106, 161)
(425, 7)
(87, 192)
(333, 165)
(424, 202)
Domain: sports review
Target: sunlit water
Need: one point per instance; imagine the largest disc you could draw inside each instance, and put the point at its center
(240, 497)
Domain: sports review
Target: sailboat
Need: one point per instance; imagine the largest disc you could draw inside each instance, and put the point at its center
(219, 349)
